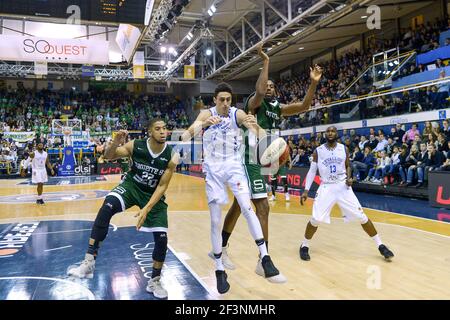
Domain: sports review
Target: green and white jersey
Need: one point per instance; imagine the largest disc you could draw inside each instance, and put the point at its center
(147, 168)
(268, 117)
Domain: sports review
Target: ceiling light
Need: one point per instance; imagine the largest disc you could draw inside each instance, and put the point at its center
(163, 62)
(301, 48)
(210, 12)
(163, 49)
(363, 17)
(208, 52)
(213, 8)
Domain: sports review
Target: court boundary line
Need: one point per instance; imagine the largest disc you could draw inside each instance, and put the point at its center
(193, 273)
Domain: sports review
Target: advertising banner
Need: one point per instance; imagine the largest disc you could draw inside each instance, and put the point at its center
(439, 189)
(108, 168)
(27, 48)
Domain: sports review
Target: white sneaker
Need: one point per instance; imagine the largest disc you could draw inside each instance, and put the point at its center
(154, 286)
(273, 198)
(85, 269)
(227, 263)
(288, 197)
(259, 270)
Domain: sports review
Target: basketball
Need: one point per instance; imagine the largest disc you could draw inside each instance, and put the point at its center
(284, 156)
(278, 150)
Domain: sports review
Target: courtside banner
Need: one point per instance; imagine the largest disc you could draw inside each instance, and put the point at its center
(439, 189)
(24, 48)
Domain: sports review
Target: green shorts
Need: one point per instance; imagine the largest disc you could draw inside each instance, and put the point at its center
(256, 181)
(282, 172)
(131, 195)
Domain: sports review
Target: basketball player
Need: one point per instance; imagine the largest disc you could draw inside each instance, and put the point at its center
(223, 166)
(268, 111)
(152, 166)
(282, 173)
(332, 160)
(39, 160)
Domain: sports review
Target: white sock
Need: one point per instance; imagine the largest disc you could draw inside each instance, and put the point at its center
(305, 243)
(39, 197)
(377, 240)
(252, 221)
(216, 237)
(219, 263)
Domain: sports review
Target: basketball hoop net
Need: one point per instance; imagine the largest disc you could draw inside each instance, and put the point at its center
(67, 132)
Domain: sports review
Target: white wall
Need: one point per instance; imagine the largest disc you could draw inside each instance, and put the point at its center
(405, 118)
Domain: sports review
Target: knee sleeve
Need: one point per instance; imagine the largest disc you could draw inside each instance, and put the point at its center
(110, 207)
(314, 222)
(363, 219)
(159, 252)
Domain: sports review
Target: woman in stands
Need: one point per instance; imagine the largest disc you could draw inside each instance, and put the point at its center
(403, 166)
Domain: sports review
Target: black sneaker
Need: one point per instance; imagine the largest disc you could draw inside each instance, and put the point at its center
(304, 255)
(40, 201)
(222, 284)
(385, 252)
(271, 273)
(419, 185)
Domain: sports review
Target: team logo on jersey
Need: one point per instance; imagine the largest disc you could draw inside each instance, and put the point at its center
(56, 196)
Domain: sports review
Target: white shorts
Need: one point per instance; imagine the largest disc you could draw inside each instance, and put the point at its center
(39, 176)
(218, 176)
(330, 194)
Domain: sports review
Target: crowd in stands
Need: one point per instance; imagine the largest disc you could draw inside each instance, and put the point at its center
(28, 110)
(398, 156)
(340, 73)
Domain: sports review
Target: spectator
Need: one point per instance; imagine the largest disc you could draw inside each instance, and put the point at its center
(365, 165)
(408, 137)
(382, 143)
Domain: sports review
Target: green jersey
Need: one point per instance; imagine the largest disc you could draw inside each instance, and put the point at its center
(268, 116)
(147, 168)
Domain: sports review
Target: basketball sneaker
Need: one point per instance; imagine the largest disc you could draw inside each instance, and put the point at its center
(273, 198)
(227, 263)
(304, 254)
(265, 268)
(385, 252)
(40, 201)
(288, 197)
(154, 286)
(222, 284)
(85, 269)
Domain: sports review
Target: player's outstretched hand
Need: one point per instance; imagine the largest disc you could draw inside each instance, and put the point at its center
(52, 172)
(261, 52)
(211, 121)
(249, 120)
(141, 215)
(120, 137)
(304, 197)
(316, 73)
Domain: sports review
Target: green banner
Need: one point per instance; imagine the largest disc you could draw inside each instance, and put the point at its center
(20, 136)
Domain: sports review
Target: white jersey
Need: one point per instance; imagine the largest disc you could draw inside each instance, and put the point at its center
(331, 163)
(223, 141)
(39, 160)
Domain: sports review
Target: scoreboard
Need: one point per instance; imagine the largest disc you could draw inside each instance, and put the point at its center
(119, 11)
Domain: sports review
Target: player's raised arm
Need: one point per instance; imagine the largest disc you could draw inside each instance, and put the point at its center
(204, 119)
(159, 191)
(296, 108)
(115, 151)
(310, 177)
(261, 85)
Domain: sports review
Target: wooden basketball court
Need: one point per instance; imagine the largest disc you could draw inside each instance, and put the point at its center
(345, 263)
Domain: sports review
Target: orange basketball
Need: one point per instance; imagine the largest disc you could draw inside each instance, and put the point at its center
(284, 156)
